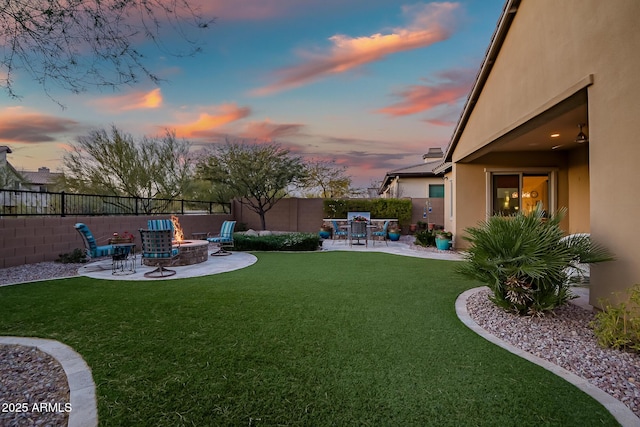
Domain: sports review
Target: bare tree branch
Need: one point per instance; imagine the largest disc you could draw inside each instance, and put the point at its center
(77, 44)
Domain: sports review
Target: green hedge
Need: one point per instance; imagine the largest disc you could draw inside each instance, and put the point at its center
(277, 242)
(379, 208)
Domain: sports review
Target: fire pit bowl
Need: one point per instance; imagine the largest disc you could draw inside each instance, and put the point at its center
(189, 252)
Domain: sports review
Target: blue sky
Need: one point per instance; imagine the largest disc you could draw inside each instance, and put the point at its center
(370, 83)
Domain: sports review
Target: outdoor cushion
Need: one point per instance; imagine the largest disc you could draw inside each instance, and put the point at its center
(174, 252)
(226, 233)
(92, 249)
(160, 224)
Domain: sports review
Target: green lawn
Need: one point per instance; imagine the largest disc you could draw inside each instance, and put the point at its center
(298, 339)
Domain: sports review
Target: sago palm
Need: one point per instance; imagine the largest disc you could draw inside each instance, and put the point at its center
(524, 260)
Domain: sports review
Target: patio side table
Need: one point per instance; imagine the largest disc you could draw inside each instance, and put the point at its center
(123, 260)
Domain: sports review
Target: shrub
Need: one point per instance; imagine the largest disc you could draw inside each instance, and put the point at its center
(277, 242)
(523, 259)
(379, 208)
(77, 256)
(618, 326)
(425, 238)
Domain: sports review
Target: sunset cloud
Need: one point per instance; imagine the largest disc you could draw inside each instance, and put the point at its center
(209, 123)
(428, 24)
(132, 101)
(451, 86)
(23, 126)
(268, 131)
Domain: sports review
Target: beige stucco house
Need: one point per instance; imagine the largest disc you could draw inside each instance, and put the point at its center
(415, 181)
(552, 66)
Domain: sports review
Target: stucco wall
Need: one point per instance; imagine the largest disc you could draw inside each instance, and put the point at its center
(550, 50)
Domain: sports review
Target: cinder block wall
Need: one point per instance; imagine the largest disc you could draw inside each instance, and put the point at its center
(290, 214)
(31, 240)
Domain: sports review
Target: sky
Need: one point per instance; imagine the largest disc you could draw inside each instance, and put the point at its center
(370, 84)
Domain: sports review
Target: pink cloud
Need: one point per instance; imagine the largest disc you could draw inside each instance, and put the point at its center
(208, 123)
(429, 24)
(268, 131)
(454, 85)
(131, 101)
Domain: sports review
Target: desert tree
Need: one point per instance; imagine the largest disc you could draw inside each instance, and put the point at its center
(326, 179)
(117, 164)
(255, 174)
(77, 44)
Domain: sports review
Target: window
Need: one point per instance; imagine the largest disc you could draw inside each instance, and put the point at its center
(520, 192)
(436, 191)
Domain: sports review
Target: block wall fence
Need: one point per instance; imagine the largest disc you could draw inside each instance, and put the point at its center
(29, 240)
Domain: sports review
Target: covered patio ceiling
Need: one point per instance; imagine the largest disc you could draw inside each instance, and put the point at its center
(536, 134)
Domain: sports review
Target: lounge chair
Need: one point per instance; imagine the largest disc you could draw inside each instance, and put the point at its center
(91, 247)
(224, 239)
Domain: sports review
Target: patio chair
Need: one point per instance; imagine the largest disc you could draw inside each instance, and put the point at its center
(358, 230)
(224, 239)
(158, 249)
(338, 233)
(91, 247)
(381, 233)
(161, 224)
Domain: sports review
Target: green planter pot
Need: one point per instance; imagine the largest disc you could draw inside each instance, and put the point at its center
(394, 237)
(324, 234)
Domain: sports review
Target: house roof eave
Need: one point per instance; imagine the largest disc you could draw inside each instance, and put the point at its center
(504, 23)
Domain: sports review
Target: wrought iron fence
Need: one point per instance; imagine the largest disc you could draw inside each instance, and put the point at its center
(35, 203)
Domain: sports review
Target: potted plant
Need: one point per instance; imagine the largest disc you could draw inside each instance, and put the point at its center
(443, 240)
(126, 237)
(325, 231)
(394, 233)
(422, 225)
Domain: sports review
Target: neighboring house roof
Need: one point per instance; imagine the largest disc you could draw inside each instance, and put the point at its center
(508, 13)
(41, 177)
(422, 170)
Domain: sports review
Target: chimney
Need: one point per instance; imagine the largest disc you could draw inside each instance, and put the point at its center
(44, 169)
(4, 150)
(435, 153)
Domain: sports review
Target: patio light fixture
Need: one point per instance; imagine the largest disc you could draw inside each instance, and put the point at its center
(581, 138)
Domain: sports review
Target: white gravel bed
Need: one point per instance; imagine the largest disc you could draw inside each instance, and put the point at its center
(566, 340)
(38, 271)
(34, 389)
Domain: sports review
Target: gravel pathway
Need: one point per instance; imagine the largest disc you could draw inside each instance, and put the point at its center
(564, 339)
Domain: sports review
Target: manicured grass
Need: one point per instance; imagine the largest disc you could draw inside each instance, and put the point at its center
(304, 339)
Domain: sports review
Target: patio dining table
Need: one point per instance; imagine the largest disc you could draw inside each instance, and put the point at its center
(346, 224)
